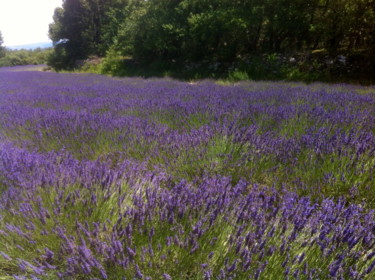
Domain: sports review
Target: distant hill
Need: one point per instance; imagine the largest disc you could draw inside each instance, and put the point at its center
(33, 46)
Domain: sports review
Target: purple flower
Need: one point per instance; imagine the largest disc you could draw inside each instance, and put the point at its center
(5, 256)
(370, 268)
(167, 276)
(138, 273)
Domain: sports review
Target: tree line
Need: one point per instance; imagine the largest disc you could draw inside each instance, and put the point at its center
(218, 31)
(10, 57)
(2, 49)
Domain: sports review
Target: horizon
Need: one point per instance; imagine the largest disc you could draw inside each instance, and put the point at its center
(31, 46)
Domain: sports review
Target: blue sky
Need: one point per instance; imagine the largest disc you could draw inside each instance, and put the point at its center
(26, 21)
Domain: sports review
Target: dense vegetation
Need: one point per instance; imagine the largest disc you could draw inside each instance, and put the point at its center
(107, 178)
(263, 39)
(2, 49)
(22, 57)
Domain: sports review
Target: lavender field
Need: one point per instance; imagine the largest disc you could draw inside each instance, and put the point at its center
(105, 178)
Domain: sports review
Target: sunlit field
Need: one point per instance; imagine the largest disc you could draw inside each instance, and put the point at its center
(106, 178)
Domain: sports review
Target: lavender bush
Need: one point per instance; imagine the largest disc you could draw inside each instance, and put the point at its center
(104, 178)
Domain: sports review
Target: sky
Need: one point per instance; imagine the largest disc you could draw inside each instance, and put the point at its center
(25, 22)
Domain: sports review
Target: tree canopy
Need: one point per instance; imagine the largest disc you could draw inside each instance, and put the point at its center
(2, 49)
(212, 30)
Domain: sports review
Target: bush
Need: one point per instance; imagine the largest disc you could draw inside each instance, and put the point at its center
(24, 57)
(59, 59)
(112, 63)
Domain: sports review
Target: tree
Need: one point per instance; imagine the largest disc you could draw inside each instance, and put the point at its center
(71, 31)
(2, 49)
(84, 27)
(223, 31)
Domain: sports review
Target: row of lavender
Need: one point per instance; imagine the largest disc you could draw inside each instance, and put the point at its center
(316, 139)
(120, 179)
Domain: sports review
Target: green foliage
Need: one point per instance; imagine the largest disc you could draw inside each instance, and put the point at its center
(220, 35)
(2, 49)
(225, 30)
(24, 57)
(59, 59)
(112, 63)
(83, 28)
